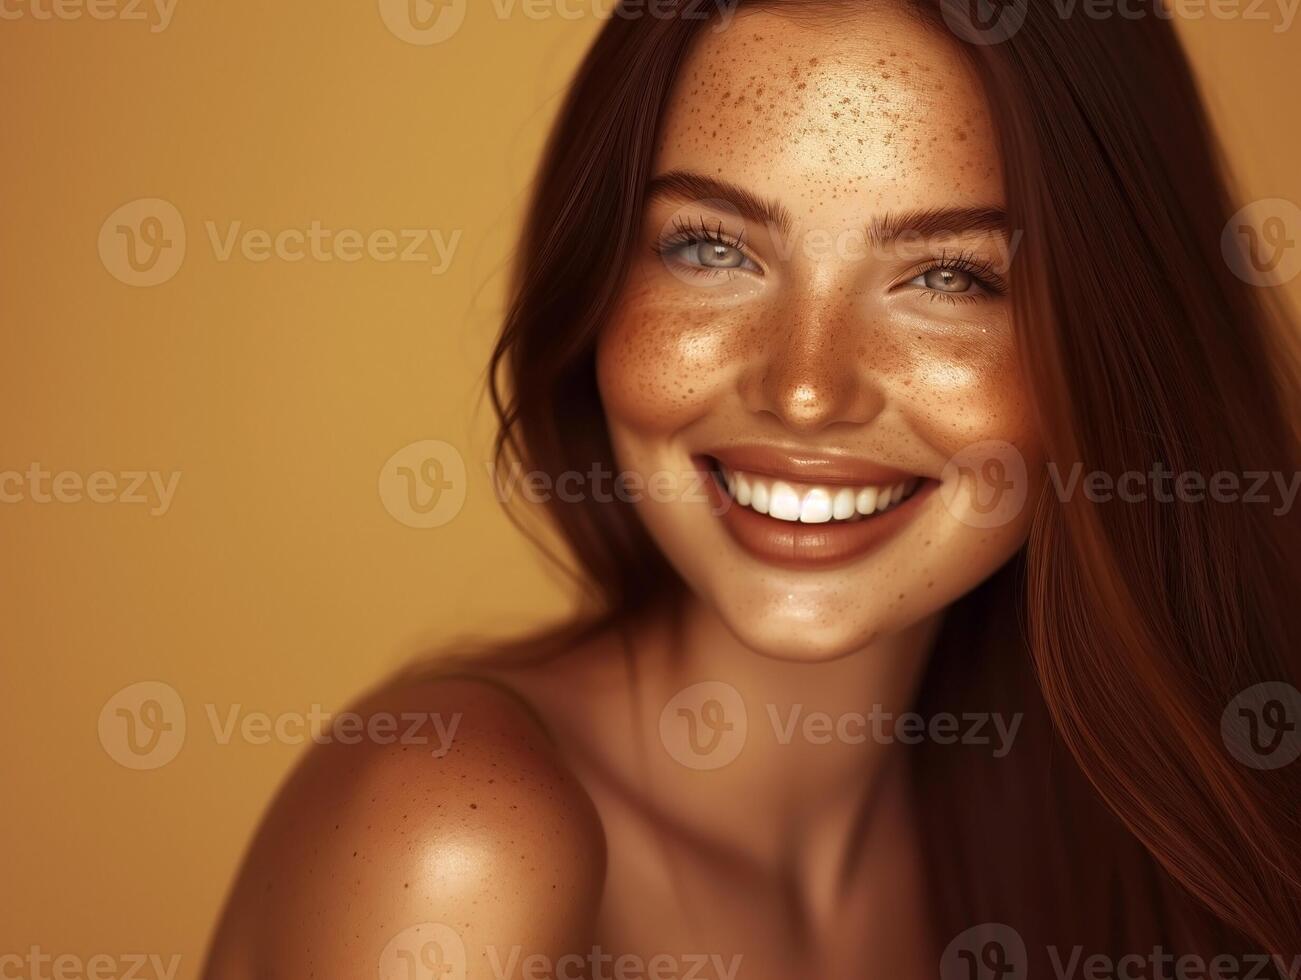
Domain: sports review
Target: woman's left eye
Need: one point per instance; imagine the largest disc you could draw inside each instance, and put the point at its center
(953, 282)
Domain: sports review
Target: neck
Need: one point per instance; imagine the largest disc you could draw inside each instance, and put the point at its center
(775, 757)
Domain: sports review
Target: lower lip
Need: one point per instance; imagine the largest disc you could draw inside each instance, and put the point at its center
(791, 544)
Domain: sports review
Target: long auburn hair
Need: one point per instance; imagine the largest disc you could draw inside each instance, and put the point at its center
(1120, 822)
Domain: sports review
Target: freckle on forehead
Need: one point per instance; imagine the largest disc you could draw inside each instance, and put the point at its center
(836, 101)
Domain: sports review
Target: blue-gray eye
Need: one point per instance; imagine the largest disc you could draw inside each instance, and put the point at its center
(947, 281)
(714, 255)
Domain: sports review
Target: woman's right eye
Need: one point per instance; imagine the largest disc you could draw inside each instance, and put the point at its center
(710, 255)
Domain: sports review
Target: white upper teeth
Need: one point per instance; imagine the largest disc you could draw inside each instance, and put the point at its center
(813, 504)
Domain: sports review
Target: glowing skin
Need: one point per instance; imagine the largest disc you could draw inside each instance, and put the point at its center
(813, 340)
(573, 823)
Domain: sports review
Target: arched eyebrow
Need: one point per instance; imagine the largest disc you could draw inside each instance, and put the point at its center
(687, 185)
(935, 223)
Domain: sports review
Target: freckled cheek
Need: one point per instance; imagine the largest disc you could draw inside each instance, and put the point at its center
(660, 368)
(958, 401)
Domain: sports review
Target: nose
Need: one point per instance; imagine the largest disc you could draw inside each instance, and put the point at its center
(812, 373)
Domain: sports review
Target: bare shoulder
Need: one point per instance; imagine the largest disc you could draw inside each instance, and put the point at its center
(440, 824)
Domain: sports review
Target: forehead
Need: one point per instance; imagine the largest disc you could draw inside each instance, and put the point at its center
(873, 109)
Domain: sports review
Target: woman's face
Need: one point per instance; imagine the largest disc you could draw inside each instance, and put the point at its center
(815, 321)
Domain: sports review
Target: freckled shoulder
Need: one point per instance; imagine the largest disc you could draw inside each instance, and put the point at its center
(461, 834)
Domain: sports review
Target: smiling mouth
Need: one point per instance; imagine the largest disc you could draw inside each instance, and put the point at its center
(812, 503)
(829, 516)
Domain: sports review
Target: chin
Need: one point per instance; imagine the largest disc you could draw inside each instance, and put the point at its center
(789, 642)
(814, 624)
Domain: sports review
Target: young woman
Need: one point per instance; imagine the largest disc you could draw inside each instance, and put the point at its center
(913, 645)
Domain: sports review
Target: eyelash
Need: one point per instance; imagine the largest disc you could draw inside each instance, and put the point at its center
(981, 271)
(698, 232)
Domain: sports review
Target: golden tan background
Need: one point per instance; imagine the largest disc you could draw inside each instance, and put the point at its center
(277, 390)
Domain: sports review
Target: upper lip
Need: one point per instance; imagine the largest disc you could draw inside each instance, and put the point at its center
(803, 466)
